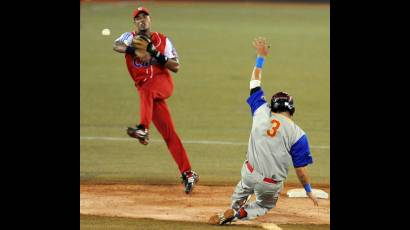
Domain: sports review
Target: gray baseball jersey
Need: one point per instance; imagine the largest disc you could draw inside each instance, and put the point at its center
(275, 141)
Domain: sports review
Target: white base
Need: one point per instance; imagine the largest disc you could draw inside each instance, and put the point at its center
(300, 192)
(270, 226)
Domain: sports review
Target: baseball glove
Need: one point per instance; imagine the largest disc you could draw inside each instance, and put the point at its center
(144, 43)
(141, 42)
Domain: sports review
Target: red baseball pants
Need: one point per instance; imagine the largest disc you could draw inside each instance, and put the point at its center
(154, 108)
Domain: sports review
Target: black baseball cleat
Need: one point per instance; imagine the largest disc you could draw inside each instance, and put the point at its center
(140, 133)
(222, 218)
(189, 178)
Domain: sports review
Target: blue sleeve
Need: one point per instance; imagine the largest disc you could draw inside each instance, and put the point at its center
(300, 153)
(255, 100)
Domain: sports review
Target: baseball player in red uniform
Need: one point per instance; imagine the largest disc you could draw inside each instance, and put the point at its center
(150, 71)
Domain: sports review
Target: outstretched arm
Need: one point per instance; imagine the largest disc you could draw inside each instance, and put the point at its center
(301, 172)
(256, 99)
(262, 49)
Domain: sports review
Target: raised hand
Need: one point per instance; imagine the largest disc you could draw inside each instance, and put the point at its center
(261, 46)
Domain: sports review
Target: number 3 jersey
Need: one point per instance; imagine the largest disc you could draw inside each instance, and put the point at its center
(275, 141)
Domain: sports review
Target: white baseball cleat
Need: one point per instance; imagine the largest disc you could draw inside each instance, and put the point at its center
(189, 178)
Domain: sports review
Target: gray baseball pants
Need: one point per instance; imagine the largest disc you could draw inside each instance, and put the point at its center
(252, 183)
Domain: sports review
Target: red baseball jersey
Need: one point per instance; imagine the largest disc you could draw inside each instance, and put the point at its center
(142, 72)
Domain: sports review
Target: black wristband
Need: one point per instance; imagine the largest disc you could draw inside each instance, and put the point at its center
(161, 59)
(130, 50)
(151, 49)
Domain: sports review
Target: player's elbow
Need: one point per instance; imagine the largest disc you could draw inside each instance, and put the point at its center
(119, 47)
(174, 68)
(115, 48)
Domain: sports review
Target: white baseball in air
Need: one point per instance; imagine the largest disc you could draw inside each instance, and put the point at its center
(106, 32)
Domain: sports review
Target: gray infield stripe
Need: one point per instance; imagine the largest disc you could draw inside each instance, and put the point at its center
(185, 142)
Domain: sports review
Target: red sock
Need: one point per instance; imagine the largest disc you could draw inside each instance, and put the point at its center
(242, 213)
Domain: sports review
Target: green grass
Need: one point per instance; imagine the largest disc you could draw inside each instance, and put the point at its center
(109, 223)
(304, 227)
(213, 42)
(130, 161)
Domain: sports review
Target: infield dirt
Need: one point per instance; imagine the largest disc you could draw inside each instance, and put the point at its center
(168, 202)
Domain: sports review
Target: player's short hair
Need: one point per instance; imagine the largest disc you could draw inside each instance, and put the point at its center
(282, 102)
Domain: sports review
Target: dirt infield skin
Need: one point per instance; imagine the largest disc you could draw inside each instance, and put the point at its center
(168, 202)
